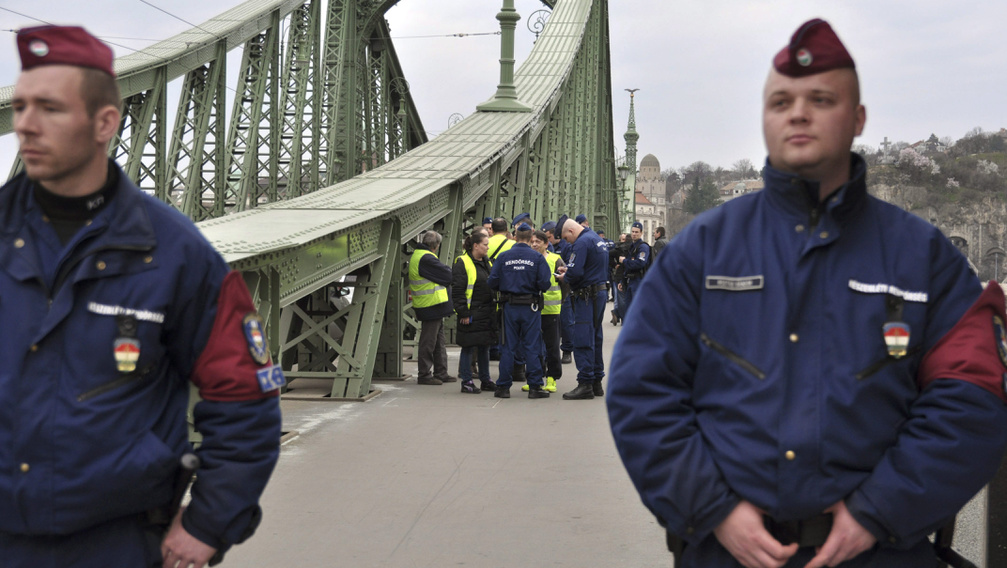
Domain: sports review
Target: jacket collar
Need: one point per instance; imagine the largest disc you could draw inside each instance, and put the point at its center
(128, 223)
(798, 196)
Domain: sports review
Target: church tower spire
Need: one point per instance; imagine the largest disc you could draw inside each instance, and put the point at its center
(629, 183)
(631, 135)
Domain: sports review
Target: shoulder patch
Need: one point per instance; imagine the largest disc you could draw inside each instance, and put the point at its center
(1001, 339)
(228, 367)
(255, 335)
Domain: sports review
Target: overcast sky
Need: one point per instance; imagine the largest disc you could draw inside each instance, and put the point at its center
(927, 66)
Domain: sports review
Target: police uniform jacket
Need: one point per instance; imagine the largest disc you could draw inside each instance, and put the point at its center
(83, 441)
(637, 260)
(520, 270)
(563, 249)
(482, 330)
(588, 262)
(754, 367)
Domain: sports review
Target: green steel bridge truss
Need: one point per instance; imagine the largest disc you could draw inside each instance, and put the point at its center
(322, 174)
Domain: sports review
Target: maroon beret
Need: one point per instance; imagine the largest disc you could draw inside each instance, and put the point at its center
(814, 48)
(63, 45)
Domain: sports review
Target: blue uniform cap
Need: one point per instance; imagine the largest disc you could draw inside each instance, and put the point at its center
(520, 218)
(581, 218)
(524, 227)
(638, 225)
(559, 224)
(487, 220)
(549, 226)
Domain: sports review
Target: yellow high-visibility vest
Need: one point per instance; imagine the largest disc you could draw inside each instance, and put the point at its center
(425, 293)
(497, 245)
(553, 298)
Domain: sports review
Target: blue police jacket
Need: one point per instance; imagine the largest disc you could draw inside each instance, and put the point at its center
(520, 270)
(638, 258)
(563, 249)
(588, 262)
(96, 372)
(753, 366)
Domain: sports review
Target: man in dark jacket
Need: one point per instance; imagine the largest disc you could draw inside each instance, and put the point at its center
(660, 240)
(429, 279)
(811, 376)
(113, 304)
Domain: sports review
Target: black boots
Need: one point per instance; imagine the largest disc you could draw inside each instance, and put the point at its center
(598, 391)
(567, 358)
(615, 318)
(535, 391)
(584, 391)
(502, 392)
(519, 374)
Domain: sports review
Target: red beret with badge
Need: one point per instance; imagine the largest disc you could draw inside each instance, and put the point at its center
(814, 48)
(63, 45)
(975, 349)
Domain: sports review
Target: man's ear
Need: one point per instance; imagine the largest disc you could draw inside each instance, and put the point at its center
(106, 124)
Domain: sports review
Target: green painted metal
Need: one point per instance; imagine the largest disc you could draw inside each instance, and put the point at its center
(321, 172)
(506, 97)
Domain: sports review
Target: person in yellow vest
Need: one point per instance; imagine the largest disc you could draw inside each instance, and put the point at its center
(499, 242)
(429, 279)
(475, 305)
(551, 306)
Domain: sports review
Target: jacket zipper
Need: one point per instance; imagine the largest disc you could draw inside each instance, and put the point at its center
(116, 383)
(878, 365)
(732, 356)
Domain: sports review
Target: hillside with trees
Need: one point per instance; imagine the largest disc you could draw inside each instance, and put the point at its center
(959, 186)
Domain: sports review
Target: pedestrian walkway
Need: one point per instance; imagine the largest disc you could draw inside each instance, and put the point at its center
(426, 477)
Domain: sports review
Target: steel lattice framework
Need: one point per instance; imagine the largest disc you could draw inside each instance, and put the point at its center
(321, 174)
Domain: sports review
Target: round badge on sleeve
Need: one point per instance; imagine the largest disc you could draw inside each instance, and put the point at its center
(255, 335)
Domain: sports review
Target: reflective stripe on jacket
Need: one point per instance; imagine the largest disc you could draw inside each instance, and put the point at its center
(425, 293)
(553, 296)
(470, 272)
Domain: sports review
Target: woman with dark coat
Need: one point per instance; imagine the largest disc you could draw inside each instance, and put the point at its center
(477, 316)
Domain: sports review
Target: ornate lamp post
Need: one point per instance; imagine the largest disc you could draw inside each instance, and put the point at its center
(505, 99)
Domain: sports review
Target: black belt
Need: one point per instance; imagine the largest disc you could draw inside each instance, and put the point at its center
(520, 299)
(809, 532)
(587, 292)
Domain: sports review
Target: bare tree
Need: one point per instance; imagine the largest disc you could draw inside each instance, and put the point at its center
(744, 169)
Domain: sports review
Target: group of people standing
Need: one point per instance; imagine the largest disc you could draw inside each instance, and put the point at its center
(537, 297)
(628, 262)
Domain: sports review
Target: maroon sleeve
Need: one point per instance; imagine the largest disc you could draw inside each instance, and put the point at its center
(237, 349)
(975, 349)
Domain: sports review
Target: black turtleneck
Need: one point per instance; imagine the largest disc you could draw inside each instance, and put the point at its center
(67, 215)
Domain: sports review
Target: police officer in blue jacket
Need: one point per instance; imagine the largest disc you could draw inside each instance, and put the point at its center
(521, 275)
(586, 274)
(562, 248)
(608, 249)
(111, 303)
(809, 376)
(635, 264)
